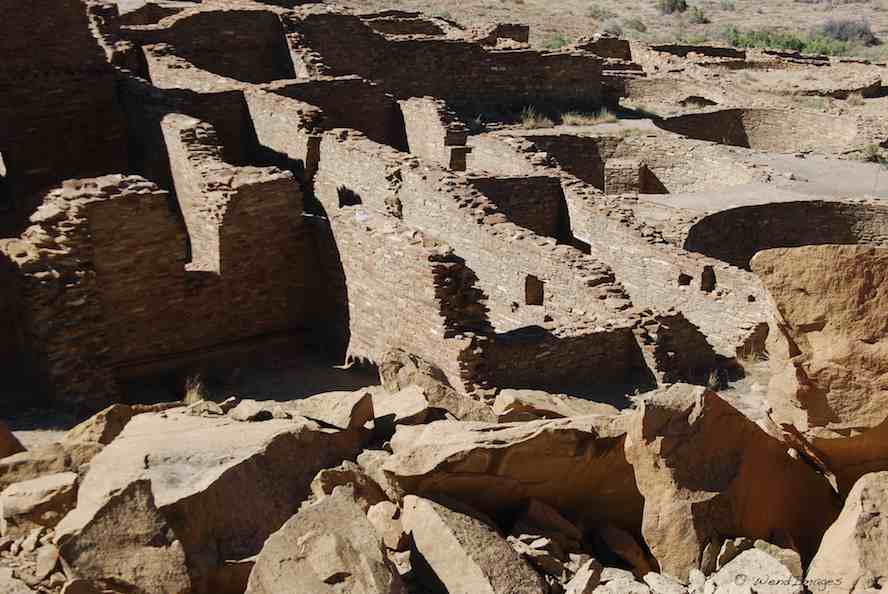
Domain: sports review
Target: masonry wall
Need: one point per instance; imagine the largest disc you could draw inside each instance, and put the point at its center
(399, 288)
(533, 202)
(245, 44)
(350, 102)
(69, 342)
(287, 130)
(735, 235)
(247, 267)
(433, 132)
(464, 74)
(59, 116)
(440, 203)
(583, 363)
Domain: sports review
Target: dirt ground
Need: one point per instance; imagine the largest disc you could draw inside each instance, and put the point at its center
(573, 18)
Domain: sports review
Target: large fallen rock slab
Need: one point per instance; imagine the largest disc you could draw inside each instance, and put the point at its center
(9, 443)
(327, 548)
(400, 370)
(127, 544)
(30, 464)
(223, 486)
(708, 473)
(757, 572)
(528, 405)
(38, 502)
(853, 555)
(829, 350)
(466, 554)
(576, 465)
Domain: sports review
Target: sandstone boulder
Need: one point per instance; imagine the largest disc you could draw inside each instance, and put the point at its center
(755, 571)
(366, 491)
(575, 465)
(829, 349)
(466, 554)
(39, 502)
(386, 518)
(9, 443)
(9, 584)
(399, 370)
(854, 553)
(221, 485)
(586, 579)
(30, 464)
(327, 548)
(127, 544)
(527, 405)
(707, 472)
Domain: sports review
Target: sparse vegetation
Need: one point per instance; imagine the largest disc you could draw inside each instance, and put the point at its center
(636, 24)
(851, 31)
(576, 118)
(873, 153)
(600, 13)
(612, 27)
(698, 16)
(557, 41)
(672, 6)
(766, 38)
(531, 119)
(195, 390)
(729, 5)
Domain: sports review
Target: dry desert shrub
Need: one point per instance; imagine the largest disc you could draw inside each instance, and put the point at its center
(531, 118)
(577, 118)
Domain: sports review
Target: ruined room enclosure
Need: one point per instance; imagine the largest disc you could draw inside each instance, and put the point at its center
(289, 189)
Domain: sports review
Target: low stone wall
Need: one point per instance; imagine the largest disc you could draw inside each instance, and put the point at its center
(735, 235)
(243, 43)
(460, 72)
(349, 102)
(533, 202)
(434, 133)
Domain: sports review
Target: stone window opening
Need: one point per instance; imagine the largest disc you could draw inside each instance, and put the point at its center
(534, 290)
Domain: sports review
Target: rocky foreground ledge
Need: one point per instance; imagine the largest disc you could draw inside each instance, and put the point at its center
(411, 487)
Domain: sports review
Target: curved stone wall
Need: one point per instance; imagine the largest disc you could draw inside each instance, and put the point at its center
(735, 235)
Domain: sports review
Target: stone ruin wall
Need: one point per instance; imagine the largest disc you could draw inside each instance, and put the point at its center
(533, 202)
(735, 235)
(434, 133)
(59, 117)
(462, 73)
(241, 43)
(394, 288)
(655, 275)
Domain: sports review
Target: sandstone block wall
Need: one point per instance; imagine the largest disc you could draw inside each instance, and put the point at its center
(59, 116)
(401, 289)
(350, 102)
(460, 72)
(287, 129)
(235, 216)
(533, 202)
(404, 25)
(735, 235)
(442, 204)
(71, 336)
(242, 43)
(434, 133)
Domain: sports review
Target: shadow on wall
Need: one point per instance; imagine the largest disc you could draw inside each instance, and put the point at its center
(734, 236)
(766, 129)
(604, 367)
(327, 291)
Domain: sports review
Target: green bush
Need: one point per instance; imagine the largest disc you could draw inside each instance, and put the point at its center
(672, 6)
(728, 5)
(765, 38)
(557, 41)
